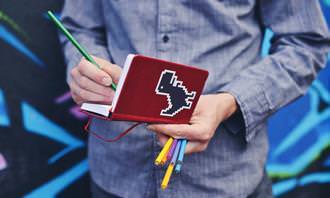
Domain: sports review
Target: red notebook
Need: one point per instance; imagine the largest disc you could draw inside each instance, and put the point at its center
(151, 90)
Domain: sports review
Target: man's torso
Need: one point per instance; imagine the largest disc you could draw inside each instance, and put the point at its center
(221, 36)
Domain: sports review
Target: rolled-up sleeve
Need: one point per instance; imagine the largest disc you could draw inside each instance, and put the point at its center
(298, 51)
(84, 19)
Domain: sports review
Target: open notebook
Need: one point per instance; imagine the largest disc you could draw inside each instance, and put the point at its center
(153, 91)
(105, 110)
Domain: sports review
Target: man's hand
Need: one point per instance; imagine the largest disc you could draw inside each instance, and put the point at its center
(91, 84)
(210, 111)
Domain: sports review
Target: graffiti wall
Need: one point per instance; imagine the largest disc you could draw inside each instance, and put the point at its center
(43, 149)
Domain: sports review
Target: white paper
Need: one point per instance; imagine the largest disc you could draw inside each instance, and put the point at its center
(97, 108)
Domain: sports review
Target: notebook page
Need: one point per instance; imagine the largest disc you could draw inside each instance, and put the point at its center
(105, 109)
(97, 108)
(122, 79)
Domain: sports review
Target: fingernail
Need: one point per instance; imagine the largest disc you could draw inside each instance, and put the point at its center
(106, 81)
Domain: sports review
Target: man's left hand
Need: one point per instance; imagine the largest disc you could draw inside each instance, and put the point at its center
(210, 111)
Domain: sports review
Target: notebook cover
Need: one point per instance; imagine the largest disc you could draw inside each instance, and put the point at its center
(158, 91)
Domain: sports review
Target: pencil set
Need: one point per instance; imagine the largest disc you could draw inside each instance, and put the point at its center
(173, 153)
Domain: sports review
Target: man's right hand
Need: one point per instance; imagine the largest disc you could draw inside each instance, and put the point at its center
(90, 84)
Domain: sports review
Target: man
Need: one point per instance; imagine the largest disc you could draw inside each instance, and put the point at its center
(227, 133)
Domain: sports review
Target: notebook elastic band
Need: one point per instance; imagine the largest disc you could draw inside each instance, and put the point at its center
(86, 128)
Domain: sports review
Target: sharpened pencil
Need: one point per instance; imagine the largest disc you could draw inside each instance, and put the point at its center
(164, 151)
(75, 42)
(167, 176)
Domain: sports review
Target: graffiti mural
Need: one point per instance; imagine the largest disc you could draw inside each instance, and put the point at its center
(42, 148)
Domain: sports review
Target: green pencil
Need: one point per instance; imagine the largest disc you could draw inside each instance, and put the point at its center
(75, 42)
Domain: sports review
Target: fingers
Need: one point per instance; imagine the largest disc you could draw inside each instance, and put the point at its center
(86, 83)
(76, 98)
(192, 146)
(195, 147)
(111, 69)
(90, 84)
(81, 95)
(90, 71)
(162, 139)
(173, 130)
(197, 132)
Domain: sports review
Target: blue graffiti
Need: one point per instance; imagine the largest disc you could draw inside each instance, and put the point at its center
(35, 122)
(4, 118)
(327, 2)
(325, 7)
(287, 185)
(56, 185)
(302, 160)
(312, 119)
(12, 40)
(327, 162)
(300, 140)
(319, 121)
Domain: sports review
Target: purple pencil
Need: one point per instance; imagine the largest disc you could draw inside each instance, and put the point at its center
(176, 152)
(170, 153)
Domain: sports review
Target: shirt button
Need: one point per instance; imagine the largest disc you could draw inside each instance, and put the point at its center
(165, 38)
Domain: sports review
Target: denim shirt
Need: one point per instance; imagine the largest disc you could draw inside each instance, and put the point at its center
(223, 37)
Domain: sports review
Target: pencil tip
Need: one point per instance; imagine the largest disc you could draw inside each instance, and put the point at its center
(178, 168)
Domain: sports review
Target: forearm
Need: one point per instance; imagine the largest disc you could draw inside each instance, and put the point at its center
(297, 53)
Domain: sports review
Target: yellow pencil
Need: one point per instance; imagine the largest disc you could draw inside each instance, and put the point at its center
(164, 151)
(164, 159)
(167, 176)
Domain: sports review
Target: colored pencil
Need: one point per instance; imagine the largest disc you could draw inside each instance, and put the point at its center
(164, 151)
(167, 176)
(75, 42)
(170, 153)
(164, 159)
(176, 152)
(181, 155)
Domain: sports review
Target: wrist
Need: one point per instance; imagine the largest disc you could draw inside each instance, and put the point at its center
(227, 105)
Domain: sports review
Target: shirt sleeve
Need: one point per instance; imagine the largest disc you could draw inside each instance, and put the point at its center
(84, 19)
(298, 51)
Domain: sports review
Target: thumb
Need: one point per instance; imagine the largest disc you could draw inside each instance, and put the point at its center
(113, 70)
(162, 139)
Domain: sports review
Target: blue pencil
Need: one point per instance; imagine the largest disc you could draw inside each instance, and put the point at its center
(176, 153)
(181, 155)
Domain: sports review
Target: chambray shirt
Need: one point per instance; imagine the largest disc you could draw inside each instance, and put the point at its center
(223, 37)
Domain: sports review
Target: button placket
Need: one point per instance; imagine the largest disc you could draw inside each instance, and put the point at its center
(165, 47)
(166, 38)
(166, 27)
